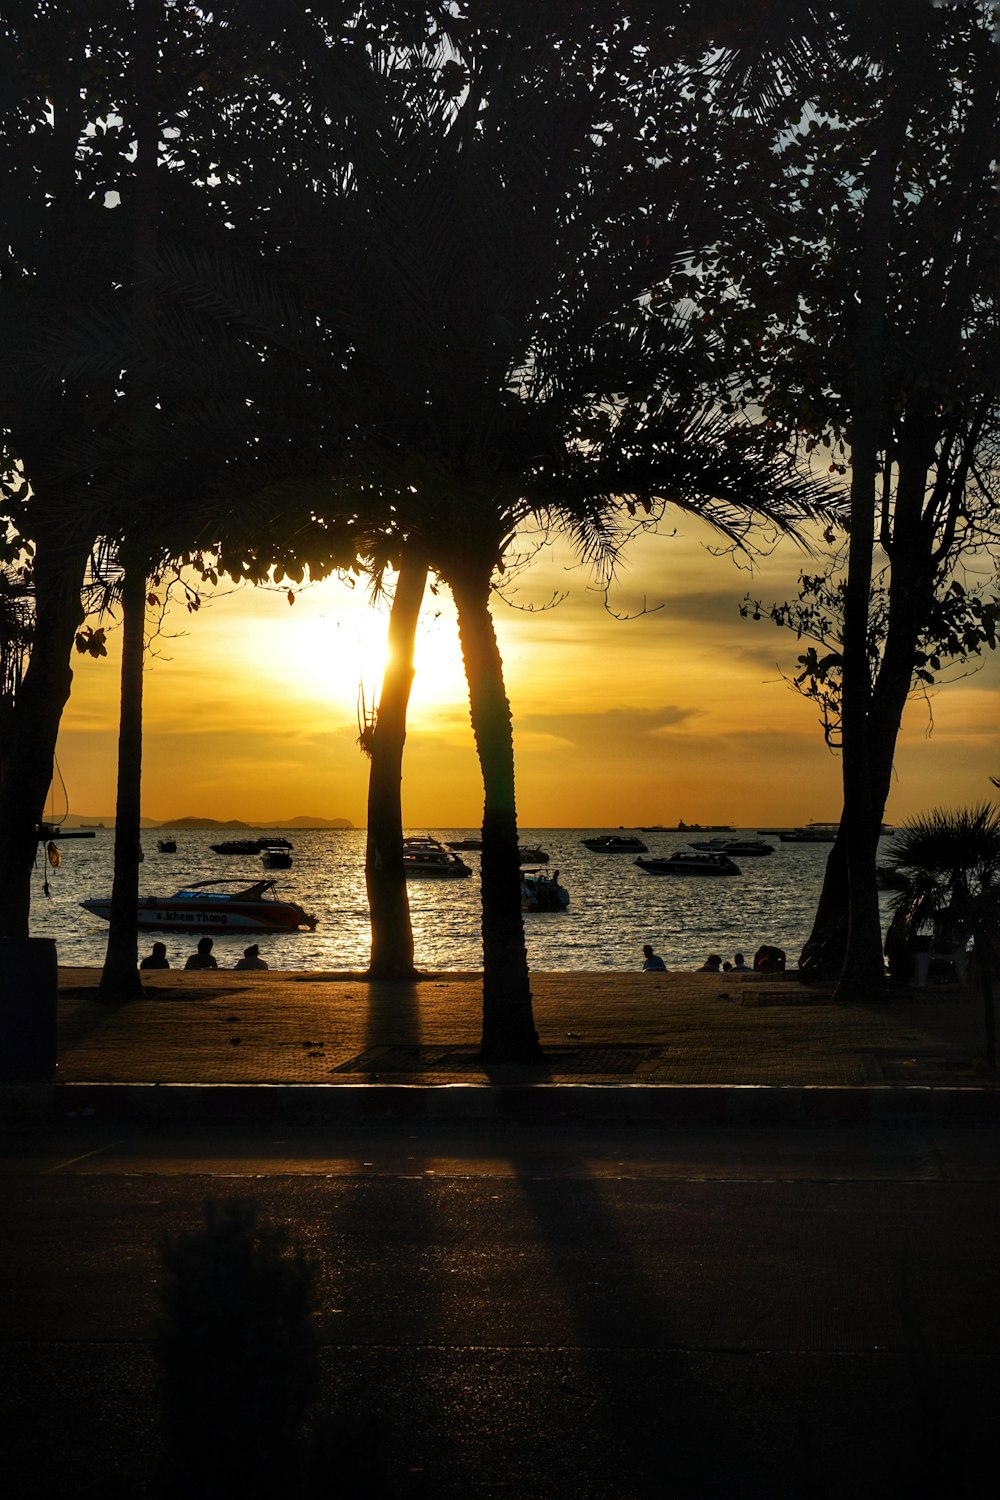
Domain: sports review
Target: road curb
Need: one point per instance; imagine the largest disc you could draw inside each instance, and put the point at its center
(654, 1105)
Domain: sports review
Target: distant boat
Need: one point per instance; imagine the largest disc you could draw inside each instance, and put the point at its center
(683, 862)
(683, 827)
(201, 907)
(811, 833)
(749, 848)
(615, 843)
(167, 846)
(248, 846)
(427, 859)
(531, 856)
(466, 844)
(822, 833)
(275, 859)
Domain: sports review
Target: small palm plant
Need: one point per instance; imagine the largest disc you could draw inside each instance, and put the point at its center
(951, 864)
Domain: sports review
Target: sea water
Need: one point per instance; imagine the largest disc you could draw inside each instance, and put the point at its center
(614, 908)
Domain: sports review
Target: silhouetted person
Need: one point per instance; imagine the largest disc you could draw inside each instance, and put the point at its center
(900, 951)
(769, 960)
(156, 958)
(740, 965)
(204, 958)
(652, 962)
(712, 965)
(251, 959)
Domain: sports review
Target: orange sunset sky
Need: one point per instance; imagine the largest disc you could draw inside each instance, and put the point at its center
(250, 707)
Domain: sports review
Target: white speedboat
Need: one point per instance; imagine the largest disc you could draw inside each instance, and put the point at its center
(541, 892)
(685, 862)
(427, 859)
(202, 907)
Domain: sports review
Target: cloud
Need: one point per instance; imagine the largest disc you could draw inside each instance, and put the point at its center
(614, 726)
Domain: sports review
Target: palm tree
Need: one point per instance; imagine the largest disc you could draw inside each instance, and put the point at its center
(951, 864)
(474, 243)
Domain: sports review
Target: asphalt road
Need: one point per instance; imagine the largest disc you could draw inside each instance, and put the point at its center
(542, 1312)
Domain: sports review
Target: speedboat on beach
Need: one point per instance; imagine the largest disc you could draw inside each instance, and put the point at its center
(541, 892)
(427, 859)
(683, 862)
(202, 907)
(615, 843)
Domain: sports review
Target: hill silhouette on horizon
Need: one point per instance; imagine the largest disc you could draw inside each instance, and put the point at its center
(107, 820)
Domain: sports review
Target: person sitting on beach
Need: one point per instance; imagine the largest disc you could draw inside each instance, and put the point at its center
(712, 964)
(156, 958)
(204, 958)
(251, 959)
(769, 960)
(652, 962)
(740, 965)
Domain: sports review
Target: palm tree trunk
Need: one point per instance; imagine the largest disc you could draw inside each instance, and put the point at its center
(509, 1033)
(863, 964)
(913, 571)
(985, 945)
(120, 978)
(392, 931)
(27, 756)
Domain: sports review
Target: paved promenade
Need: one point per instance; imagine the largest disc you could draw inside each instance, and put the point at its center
(597, 1029)
(525, 1292)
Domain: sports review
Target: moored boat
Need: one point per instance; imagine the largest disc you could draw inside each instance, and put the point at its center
(531, 855)
(541, 892)
(750, 848)
(202, 907)
(275, 859)
(248, 846)
(615, 843)
(811, 833)
(167, 846)
(683, 862)
(427, 859)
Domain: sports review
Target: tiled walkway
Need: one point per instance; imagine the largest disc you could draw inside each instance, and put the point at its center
(610, 1027)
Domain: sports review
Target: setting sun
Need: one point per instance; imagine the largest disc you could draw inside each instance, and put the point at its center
(668, 705)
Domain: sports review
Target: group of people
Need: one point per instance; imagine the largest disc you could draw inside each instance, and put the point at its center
(202, 957)
(766, 959)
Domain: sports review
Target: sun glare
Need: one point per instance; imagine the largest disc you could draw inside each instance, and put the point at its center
(332, 657)
(326, 648)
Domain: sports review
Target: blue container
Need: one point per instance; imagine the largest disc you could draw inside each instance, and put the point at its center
(28, 986)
